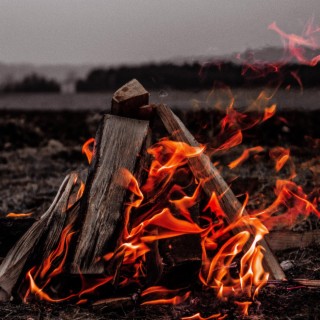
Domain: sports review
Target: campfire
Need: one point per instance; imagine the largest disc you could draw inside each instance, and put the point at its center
(153, 217)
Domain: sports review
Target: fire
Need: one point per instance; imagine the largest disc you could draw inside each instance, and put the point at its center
(295, 44)
(244, 156)
(87, 149)
(19, 215)
(162, 291)
(244, 306)
(280, 156)
(161, 209)
(197, 316)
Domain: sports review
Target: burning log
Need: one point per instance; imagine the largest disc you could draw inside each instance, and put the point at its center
(51, 223)
(118, 143)
(204, 170)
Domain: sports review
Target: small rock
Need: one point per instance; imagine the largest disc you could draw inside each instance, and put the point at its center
(286, 265)
(285, 129)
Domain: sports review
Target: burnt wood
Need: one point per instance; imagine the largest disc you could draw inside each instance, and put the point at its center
(14, 263)
(119, 142)
(204, 170)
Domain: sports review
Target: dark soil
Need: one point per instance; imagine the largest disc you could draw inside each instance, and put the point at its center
(39, 148)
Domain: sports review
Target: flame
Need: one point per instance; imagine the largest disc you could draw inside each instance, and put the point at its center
(244, 156)
(87, 149)
(52, 267)
(294, 44)
(280, 155)
(290, 206)
(244, 306)
(197, 316)
(161, 209)
(19, 215)
(162, 291)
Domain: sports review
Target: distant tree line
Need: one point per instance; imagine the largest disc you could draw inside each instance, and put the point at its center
(196, 77)
(180, 77)
(31, 84)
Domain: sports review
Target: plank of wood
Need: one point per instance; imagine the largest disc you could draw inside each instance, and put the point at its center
(14, 263)
(119, 141)
(286, 239)
(129, 98)
(204, 170)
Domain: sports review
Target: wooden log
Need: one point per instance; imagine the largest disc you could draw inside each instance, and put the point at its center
(286, 239)
(129, 98)
(119, 141)
(113, 304)
(204, 170)
(308, 283)
(14, 263)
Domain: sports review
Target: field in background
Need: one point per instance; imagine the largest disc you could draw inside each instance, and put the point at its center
(308, 99)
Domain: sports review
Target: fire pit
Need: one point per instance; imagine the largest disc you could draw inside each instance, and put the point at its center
(154, 221)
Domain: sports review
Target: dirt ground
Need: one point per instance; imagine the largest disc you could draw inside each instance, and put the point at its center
(38, 149)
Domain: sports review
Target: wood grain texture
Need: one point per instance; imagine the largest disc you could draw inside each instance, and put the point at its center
(118, 144)
(128, 99)
(14, 263)
(204, 170)
(286, 239)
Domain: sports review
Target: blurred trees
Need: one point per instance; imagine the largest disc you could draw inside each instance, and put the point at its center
(30, 84)
(196, 76)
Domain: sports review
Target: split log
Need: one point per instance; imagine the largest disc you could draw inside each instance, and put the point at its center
(283, 240)
(204, 170)
(14, 263)
(128, 100)
(132, 100)
(119, 141)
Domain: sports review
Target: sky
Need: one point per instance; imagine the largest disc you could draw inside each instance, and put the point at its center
(136, 31)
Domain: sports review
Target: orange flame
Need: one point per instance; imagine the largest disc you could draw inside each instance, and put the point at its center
(280, 155)
(244, 306)
(164, 291)
(244, 156)
(197, 316)
(87, 149)
(19, 215)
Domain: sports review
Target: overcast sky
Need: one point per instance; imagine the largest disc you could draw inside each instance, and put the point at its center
(134, 31)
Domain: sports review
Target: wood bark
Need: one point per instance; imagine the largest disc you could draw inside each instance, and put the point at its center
(118, 144)
(204, 170)
(14, 263)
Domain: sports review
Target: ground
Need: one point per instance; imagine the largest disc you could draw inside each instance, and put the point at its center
(39, 148)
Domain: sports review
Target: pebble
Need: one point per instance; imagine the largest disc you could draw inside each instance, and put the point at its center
(286, 265)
